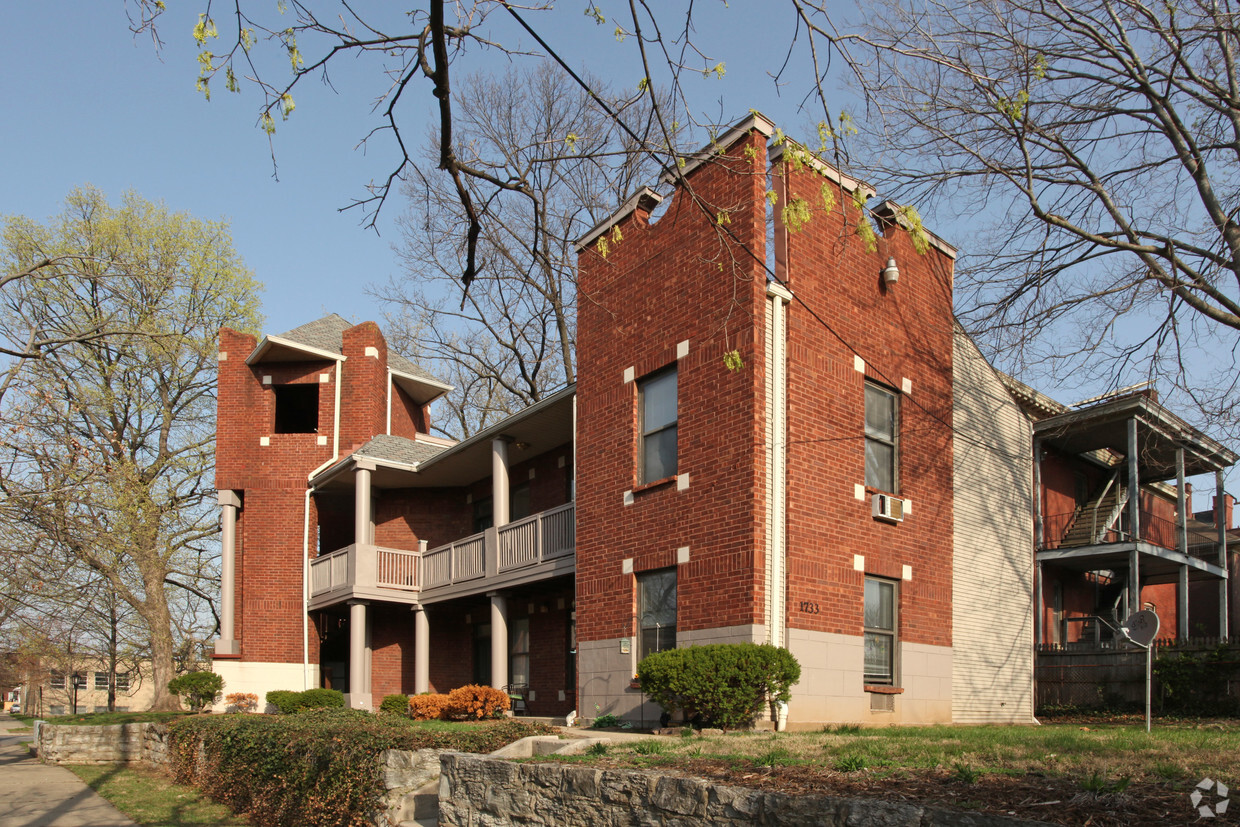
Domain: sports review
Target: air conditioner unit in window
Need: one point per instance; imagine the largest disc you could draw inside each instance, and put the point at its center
(888, 508)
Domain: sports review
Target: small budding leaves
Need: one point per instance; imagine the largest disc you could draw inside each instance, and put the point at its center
(596, 14)
(733, 362)
(795, 214)
(570, 141)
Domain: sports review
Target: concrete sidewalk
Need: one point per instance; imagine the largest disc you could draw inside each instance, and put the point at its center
(45, 795)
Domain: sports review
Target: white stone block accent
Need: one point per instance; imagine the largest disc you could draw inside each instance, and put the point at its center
(264, 441)
(266, 380)
(628, 375)
(222, 356)
(682, 349)
(628, 497)
(372, 351)
(324, 378)
(531, 473)
(908, 507)
(906, 573)
(859, 491)
(322, 440)
(858, 364)
(561, 462)
(626, 565)
(682, 482)
(858, 562)
(682, 555)
(906, 385)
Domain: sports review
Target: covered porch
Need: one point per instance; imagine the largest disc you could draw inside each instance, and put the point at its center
(1125, 535)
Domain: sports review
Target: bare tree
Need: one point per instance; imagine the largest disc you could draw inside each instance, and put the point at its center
(509, 340)
(106, 444)
(1094, 148)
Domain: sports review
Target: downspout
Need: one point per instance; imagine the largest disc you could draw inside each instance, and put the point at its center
(777, 491)
(305, 540)
(389, 402)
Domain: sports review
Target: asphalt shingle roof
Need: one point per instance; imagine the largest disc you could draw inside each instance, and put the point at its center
(327, 333)
(398, 449)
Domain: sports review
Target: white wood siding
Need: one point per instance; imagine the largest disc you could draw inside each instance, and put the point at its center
(992, 571)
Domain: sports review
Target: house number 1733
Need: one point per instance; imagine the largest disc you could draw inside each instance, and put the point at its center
(809, 607)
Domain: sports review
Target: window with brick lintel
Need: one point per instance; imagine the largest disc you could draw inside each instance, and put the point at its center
(657, 425)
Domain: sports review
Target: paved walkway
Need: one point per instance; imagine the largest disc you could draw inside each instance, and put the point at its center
(45, 795)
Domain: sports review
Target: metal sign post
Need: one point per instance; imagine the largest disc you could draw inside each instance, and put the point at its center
(1141, 628)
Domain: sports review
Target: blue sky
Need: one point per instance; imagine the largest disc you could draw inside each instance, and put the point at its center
(84, 100)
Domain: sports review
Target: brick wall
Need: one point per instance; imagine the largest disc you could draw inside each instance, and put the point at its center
(681, 279)
(903, 333)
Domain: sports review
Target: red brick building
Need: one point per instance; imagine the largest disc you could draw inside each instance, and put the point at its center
(778, 435)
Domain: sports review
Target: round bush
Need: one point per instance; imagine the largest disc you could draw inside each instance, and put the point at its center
(200, 689)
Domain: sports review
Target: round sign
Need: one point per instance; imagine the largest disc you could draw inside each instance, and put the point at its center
(1141, 627)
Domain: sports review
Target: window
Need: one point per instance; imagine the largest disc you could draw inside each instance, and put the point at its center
(656, 608)
(519, 645)
(122, 681)
(657, 405)
(881, 456)
(101, 680)
(297, 409)
(880, 631)
(483, 514)
(58, 680)
(519, 502)
(79, 680)
(56, 709)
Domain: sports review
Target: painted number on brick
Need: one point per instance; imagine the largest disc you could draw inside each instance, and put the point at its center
(809, 607)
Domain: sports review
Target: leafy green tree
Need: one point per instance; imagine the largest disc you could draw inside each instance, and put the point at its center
(107, 442)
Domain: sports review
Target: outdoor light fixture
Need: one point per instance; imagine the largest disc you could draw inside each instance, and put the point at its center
(891, 273)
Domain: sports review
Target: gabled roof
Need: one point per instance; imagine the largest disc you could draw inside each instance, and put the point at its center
(323, 339)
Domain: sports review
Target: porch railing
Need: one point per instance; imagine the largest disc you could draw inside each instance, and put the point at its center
(542, 537)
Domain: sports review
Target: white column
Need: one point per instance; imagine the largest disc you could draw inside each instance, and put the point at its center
(361, 507)
(227, 643)
(358, 697)
(1220, 520)
(499, 640)
(499, 481)
(1134, 521)
(421, 651)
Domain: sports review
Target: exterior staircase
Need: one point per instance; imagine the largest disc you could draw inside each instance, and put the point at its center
(1096, 517)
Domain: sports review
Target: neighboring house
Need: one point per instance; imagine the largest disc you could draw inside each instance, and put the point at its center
(49, 691)
(1102, 553)
(820, 459)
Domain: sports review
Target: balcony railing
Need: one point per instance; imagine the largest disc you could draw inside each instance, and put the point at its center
(1158, 531)
(372, 571)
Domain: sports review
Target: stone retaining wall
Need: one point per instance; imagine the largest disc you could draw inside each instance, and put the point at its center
(476, 789)
(145, 743)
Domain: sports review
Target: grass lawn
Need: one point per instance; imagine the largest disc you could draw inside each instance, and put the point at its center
(151, 799)
(1067, 773)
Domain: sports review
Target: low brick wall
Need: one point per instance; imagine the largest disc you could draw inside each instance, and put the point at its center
(476, 789)
(145, 743)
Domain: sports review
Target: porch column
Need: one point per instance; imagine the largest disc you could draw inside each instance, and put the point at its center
(1039, 530)
(1181, 600)
(227, 643)
(1181, 544)
(1039, 612)
(359, 696)
(1220, 522)
(1134, 521)
(499, 640)
(361, 506)
(499, 481)
(421, 651)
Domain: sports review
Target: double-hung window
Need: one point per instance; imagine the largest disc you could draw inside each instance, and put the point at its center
(880, 631)
(657, 398)
(881, 448)
(656, 609)
(101, 680)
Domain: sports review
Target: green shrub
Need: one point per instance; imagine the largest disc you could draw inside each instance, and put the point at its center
(201, 689)
(395, 704)
(288, 702)
(315, 769)
(284, 700)
(722, 684)
(322, 699)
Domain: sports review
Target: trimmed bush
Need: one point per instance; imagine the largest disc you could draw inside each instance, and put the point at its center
(199, 688)
(288, 702)
(315, 769)
(395, 704)
(477, 702)
(285, 701)
(241, 702)
(722, 684)
(428, 706)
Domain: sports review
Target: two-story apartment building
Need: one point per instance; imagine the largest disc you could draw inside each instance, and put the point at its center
(778, 434)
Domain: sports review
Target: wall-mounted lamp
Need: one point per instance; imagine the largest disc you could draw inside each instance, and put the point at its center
(891, 273)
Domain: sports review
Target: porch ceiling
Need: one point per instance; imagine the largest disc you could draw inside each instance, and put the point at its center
(1159, 433)
(1158, 564)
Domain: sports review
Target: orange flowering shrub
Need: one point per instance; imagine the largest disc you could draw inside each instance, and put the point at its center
(477, 702)
(427, 707)
(241, 701)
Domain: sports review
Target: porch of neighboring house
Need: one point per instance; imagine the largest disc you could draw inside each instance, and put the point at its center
(1103, 553)
(452, 568)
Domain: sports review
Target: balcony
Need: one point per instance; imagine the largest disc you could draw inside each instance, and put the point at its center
(535, 548)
